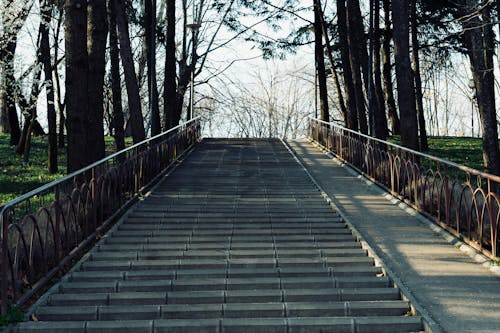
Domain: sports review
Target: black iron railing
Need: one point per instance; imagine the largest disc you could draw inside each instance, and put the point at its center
(45, 229)
(462, 200)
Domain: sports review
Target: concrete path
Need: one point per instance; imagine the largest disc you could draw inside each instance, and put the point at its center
(461, 295)
(237, 239)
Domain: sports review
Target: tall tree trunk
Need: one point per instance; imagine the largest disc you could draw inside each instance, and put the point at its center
(352, 113)
(46, 14)
(97, 32)
(171, 115)
(320, 63)
(358, 38)
(333, 70)
(57, 84)
(8, 86)
(380, 121)
(352, 27)
(134, 102)
(386, 72)
(116, 86)
(150, 24)
(404, 77)
(479, 40)
(76, 83)
(417, 77)
(13, 17)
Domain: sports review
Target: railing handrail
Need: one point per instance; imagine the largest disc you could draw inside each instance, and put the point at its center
(53, 183)
(462, 167)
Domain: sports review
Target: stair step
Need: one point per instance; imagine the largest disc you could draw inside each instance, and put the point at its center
(246, 283)
(229, 310)
(95, 276)
(230, 296)
(233, 325)
(123, 265)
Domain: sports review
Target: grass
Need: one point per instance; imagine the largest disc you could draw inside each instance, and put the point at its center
(460, 150)
(17, 177)
(14, 315)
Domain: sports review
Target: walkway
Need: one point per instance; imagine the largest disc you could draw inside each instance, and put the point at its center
(462, 296)
(237, 239)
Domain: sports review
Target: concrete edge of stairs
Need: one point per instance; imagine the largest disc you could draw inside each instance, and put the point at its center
(430, 325)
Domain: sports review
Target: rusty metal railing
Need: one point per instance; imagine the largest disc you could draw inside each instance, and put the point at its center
(44, 230)
(462, 200)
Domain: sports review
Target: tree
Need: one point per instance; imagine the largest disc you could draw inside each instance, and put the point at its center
(478, 38)
(134, 102)
(354, 24)
(46, 15)
(351, 102)
(76, 83)
(416, 76)
(116, 88)
(380, 118)
(320, 62)
(171, 115)
(150, 27)
(404, 78)
(97, 32)
(387, 70)
(333, 70)
(13, 17)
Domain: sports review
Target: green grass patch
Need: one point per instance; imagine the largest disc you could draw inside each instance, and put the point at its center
(460, 150)
(14, 315)
(17, 177)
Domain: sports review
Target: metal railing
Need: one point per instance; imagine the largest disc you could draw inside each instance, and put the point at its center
(44, 230)
(462, 200)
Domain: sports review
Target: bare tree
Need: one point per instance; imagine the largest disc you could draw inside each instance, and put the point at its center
(13, 16)
(118, 122)
(136, 117)
(406, 92)
(478, 36)
(387, 70)
(46, 15)
(320, 61)
(415, 48)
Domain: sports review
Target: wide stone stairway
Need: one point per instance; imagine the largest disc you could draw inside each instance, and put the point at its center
(236, 239)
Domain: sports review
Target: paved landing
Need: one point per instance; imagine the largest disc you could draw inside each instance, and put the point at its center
(236, 239)
(460, 295)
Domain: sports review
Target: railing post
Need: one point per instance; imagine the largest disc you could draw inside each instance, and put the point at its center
(5, 259)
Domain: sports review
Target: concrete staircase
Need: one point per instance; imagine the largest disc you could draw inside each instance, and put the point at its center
(237, 239)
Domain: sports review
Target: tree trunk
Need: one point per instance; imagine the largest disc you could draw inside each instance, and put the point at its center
(404, 78)
(357, 40)
(333, 70)
(417, 78)
(76, 83)
(355, 61)
(386, 72)
(171, 115)
(380, 117)
(116, 86)
(46, 9)
(320, 63)
(134, 102)
(479, 40)
(97, 32)
(59, 101)
(9, 112)
(352, 113)
(150, 23)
